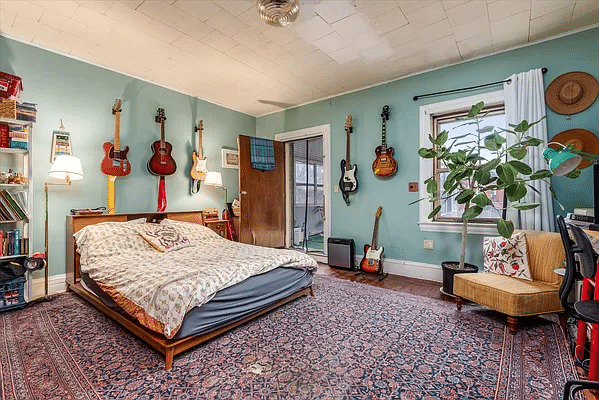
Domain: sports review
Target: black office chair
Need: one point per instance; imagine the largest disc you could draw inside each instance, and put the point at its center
(583, 266)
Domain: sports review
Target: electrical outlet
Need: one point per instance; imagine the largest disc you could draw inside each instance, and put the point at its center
(429, 244)
(336, 188)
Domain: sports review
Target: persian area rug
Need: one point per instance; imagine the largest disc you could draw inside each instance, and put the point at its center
(350, 341)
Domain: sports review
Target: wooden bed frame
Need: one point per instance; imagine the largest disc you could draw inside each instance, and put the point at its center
(168, 347)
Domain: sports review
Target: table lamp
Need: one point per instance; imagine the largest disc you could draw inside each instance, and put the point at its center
(215, 179)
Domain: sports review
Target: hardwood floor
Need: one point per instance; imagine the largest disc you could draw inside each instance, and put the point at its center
(394, 282)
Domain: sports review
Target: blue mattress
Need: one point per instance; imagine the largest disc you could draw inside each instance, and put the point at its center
(233, 303)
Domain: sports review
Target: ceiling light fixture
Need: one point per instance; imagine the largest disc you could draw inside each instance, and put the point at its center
(278, 12)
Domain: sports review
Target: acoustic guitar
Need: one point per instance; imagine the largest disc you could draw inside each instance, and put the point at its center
(161, 163)
(115, 162)
(348, 182)
(384, 164)
(198, 169)
(371, 262)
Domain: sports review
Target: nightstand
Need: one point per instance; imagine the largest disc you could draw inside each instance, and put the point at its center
(218, 225)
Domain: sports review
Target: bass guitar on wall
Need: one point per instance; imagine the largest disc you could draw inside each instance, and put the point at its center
(115, 162)
(348, 182)
(371, 262)
(384, 163)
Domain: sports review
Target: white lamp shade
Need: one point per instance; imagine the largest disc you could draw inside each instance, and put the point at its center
(66, 167)
(213, 179)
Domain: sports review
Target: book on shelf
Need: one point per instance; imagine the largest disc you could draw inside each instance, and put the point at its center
(585, 211)
(12, 244)
(579, 217)
(10, 208)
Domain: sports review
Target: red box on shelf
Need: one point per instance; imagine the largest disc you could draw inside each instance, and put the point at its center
(4, 139)
(10, 85)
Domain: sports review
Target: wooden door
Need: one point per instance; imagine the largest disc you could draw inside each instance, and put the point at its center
(262, 198)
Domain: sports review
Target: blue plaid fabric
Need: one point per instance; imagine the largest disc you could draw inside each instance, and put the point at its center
(262, 154)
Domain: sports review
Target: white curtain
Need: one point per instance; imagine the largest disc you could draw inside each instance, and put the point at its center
(525, 100)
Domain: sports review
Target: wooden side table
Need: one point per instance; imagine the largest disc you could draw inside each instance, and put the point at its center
(218, 225)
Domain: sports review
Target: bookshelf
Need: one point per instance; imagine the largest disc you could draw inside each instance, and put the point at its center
(19, 160)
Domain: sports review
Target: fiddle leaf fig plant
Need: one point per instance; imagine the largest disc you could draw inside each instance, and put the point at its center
(481, 161)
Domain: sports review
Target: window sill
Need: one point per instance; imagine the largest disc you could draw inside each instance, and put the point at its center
(473, 228)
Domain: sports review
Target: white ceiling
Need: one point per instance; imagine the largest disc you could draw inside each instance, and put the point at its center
(222, 52)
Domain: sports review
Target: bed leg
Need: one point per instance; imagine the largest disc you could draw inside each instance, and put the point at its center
(312, 290)
(168, 359)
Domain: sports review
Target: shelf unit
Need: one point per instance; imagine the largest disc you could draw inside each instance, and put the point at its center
(20, 161)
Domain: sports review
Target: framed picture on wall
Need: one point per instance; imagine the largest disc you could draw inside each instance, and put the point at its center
(230, 158)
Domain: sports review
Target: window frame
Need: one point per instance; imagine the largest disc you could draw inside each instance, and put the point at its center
(426, 166)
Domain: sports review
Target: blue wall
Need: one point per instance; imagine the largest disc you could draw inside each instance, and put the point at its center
(83, 95)
(399, 231)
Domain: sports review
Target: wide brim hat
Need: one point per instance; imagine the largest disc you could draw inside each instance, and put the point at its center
(582, 140)
(572, 92)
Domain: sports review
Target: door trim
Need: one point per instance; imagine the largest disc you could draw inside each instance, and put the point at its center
(286, 137)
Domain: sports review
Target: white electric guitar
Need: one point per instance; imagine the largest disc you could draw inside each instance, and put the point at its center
(348, 182)
(198, 169)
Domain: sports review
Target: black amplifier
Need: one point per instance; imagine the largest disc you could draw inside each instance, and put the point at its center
(341, 253)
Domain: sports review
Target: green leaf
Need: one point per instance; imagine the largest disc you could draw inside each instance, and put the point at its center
(481, 200)
(518, 152)
(491, 164)
(541, 174)
(472, 213)
(476, 109)
(505, 174)
(434, 212)
(515, 192)
(493, 142)
(525, 206)
(483, 177)
(530, 141)
(505, 228)
(522, 126)
(520, 167)
(442, 138)
(432, 186)
(485, 129)
(432, 139)
(426, 153)
(464, 196)
(574, 174)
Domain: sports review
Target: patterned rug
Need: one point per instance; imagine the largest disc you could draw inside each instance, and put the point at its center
(351, 341)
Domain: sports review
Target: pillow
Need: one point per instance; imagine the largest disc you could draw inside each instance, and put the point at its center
(165, 238)
(507, 256)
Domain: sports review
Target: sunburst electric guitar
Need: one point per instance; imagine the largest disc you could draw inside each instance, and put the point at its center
(384, 163)
(371, 262)
(115, 162)
(348, 182)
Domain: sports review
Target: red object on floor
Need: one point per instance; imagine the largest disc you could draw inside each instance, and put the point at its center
(10, 85)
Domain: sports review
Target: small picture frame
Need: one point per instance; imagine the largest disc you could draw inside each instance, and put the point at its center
(230, 158)
(61, 144)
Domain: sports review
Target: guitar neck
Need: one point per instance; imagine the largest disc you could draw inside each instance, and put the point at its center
(347, 161)
(162, 140)
(375, 232)
(117, 130)
(200, 155)
(384, 144)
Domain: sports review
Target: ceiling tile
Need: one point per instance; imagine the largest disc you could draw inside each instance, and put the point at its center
(585, 13)
(435, 31)
(352, 26)
(408, 49)
(126, 15)
(312, 29)
(236, 7)
(94, 19)
(389, 21)
(251, 38)
(467, 12)
(400, 36)
(132, 3)
(26, 9)
(162, 32)
(99, 6)
(472, 29)
(330, 43)
(64, 8)
(551, 24)
(202, 10)
(443, 51)
(373, 8)
(280, 36)
(253, 20)
(62, 23)
(381, 52)
(410, 6)
(542, 7)
(6, 20)
(299, 47)
(505, 8)
(426, 16)
(510, 31)
(448, 4)
(476, 45)
(161, 11)
(193, 27)
(226, 23)
(365, 42)
(334, 10)
(220, 41)
(344, 55)
(21, 28)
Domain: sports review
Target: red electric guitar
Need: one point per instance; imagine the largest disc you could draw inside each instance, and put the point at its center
(162, 163)
(115, 161)
(371, 262)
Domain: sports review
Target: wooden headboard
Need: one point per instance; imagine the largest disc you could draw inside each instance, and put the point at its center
(77, 222)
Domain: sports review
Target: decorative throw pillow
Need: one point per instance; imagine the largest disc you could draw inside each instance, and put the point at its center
(507, 256)
(165, 238)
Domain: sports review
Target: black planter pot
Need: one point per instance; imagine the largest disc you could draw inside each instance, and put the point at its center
(450, 269)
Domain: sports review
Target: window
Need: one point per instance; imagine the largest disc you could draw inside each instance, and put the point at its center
(450, 209)
(435, 118)
(315, 187)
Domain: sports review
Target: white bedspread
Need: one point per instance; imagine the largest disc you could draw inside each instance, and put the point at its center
(159, 288)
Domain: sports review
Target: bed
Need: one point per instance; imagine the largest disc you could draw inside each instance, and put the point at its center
(176, 300)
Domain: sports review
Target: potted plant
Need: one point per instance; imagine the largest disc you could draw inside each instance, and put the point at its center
(478, 162)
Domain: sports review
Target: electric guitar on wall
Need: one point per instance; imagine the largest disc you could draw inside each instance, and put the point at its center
(348, 182)
(198, 169)
(371, 262)
(115, 162)
(384, 164)
(161, 163)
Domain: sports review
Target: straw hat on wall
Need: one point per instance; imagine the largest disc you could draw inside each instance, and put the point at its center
(572, 92)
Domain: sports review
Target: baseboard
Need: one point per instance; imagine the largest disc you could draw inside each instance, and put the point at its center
(56, 284)
(411, 269)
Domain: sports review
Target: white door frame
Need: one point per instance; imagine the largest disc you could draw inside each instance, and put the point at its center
(286, 137)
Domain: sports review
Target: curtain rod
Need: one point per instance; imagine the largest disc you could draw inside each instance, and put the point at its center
(543, 70)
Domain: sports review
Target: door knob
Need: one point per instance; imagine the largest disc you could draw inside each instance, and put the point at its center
(244, 192)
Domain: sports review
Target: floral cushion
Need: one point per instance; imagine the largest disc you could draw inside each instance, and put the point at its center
(165, 238)
(507, 256)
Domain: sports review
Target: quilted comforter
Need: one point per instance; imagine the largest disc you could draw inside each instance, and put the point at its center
(158, 288)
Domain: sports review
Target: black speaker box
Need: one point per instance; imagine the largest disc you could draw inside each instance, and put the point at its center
(341, 253)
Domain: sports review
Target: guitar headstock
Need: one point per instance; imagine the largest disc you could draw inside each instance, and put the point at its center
(385, 113)
(348, 126)
(379, 211)
(200, 126)
(160, 117)
(117, 106)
